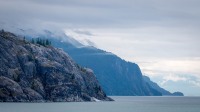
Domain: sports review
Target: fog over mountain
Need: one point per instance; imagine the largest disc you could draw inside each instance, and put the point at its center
(161, 36)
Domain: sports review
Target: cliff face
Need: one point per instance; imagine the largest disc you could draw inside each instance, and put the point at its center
(34, 73)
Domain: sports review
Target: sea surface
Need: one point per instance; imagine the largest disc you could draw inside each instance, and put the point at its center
(121, 104)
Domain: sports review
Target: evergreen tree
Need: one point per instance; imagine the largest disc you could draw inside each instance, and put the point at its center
(37, 42)
(24, 39)
(32, 41)
(43, 42)
(47, 42)
(2, 31)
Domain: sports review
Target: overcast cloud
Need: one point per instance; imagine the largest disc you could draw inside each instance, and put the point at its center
(162, 36)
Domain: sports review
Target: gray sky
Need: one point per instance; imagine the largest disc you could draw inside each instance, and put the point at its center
(162, 36)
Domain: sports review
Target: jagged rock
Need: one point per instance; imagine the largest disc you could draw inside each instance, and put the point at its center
(35, 73)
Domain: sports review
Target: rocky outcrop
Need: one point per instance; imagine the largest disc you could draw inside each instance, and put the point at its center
(34, 73)
(177, 94)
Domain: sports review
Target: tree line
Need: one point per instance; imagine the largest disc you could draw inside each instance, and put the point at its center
(40, 41)
(43, 42)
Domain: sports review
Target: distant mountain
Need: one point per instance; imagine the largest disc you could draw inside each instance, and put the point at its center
(38, 73)
(158, 88)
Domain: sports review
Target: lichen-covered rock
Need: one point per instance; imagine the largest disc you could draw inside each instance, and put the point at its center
(34, 73)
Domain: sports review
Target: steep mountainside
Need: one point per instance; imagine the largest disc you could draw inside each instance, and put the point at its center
(158, 88)
(34, 73)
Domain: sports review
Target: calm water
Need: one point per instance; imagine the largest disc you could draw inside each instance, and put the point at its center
(121, 104)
